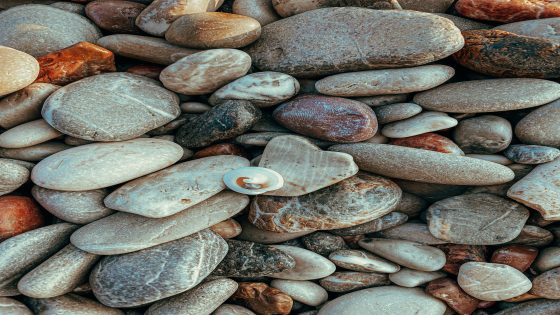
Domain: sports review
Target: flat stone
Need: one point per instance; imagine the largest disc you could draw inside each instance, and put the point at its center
(353, 201)
(70, 170)
(533, 236)
(346, 281)
(202, 299)
(406, 253)
(462, 23)
(12, 176)
(419, 124)
(306, 292)
(262, 11)
(206, 71)
(125, 232)
(309, 265)
(28, 134)
(387, 221)
(410, 278)
(429, 141)
(450, 292)
(424, 166)
(13, 307)
(160, 271)
(232, 309)
(483, 134)
(518, 256)
(492, 282)
(357, 260)
(380, 100)
(18, 69)
(395, 112)
(19, 214)
(288, 8)
(539, 126)
(263, 299)
(531, 154)
(227, 229)
(251, 233)
(411, 231)
(549, 258)
(542, 307)
(542, 28)
(323, 243)
(492, 95)
(70, 304)
(545, 285)
(305, 45)
(24, 105)
(115, 16)
(381, 82)
(508, 11)
(476, 219)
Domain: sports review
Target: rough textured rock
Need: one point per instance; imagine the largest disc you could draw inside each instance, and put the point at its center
(309, 265)
(28, 134)
(518, 256)
(19, 214)
(457, 254)
(387, 221)
(483, 134)
(306, 292)
(288, 8)
(542, 28)
(507, 11)
(357, 260)
(263, 299)
(13, 307)
(541, 307)
(531, 154)
(429, 141)
(540, 127)
(18, 69)
(419, 124)
(346, 281)
(410, 278)
(394, 112)
(115, 16)
(405, 253)
(24, 105)
(448, 290)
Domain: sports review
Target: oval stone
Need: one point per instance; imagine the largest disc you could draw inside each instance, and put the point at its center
(12, 176)
(419, 124)
(507, 11)
(394, 112)
(305, 292)
(70, 304)
(429, 141)
(309, 265)
(34, 153)
(24, 105)
(542, 28)
(483, 134)
(114, 16)
(13, 307)
(531, 154)
(540, 127)
(262, 11)
(227, 229)
(549, 258)
(323, 243)
(346, 281)
(19, 214)
(263, 299)
(18, 69)
(28, 134)
(358, 260)
(411, 278)
(232, 309)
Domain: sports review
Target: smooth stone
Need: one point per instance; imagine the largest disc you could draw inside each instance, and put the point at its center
(263, 299)
(491, 95)
(492, 282)
(28, 134)
(34, 153)
(530, 154)
(115, 16)
(429, 192)
(251, 233)
(541, 307)
(200, 300)
(519, 257)
(380, 100)
(263, 89)
(385, 222)
(146, 48)
(353, 201)
(539, 126)
(411, 231)
(507, 11)
(19, 214)
(288, 8)
(549, 258)
(136, 105)
(206, 71)
(41, 29)
(261, 139)
(457, 255)
(357, 260)
(70, 304)
(232, 309)
(450, 292)
(382, 82)
(24, 105)
(410, 278)
(70, 170)
(194, 107)
(406, 253)
(221, 149)
(199, 30)
(494, 158)
(431, 6)
(305, 292)
(483, 134)
(309, 265)
(424, 166)
(225, 121)
(346, 281)
(13, 307)
(262, 11)
(160, 271)
(429, 141)
(18, 69)
(227, 229)
(150, 71)
(542, 28)
(23, 252)
(546, 284)
(476, 219)
(125, 232)
(399, 111)
(410, 204)
(419, 124)
(462, 23)
(323, 243)
(533, 236)
(70, 7)
(305, 45)
(58, 275)
(12, 176)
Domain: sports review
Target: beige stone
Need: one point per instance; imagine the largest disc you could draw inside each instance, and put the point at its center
(13, 307)
(419, 124)
(260, 10)
(406, 253)
(24, 105)
(71, 304)
(540, 127)
(306, 292)
(492, 282)
(28, 134)
(251, 233)
(34, 153)
(12, 176)
(232, 309)
(309, 265)
(17, 69)
(411, 278)
(358, 260)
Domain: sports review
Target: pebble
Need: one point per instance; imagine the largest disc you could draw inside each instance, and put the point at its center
(292, 7)
(115, 16)
(18, 69)
(227, 229)
(24, 105)
(462, 23)
(323, 243)
(430, 192)
(410, 278)
(12, 176)
(28, 134)
(251, 233)
(305, 292)
(411, 231)
(492, 95)
(518, 256)
(309, 265)
(507, 11)
(429, 141)
(485, 134)
(357, 260)
(381, 100)
(221, 149)
(406, 253)
(394, 112)
(41, 29)
(533, 236)
(492, 282)
(457, 255)
(150, 71)
(19, 214)
(542, 28)
(232, 309)
(118, 162)
(539, 126)
(419, 124)
(70, 7)
(263, 299)
(304, 45)
(70, 304)
(411, 205)
(206, 71)
(262, 11)
(531, 154)
(542, 307)
(549, 258)
(194, 107)
(431, 6)
(385, 222)
(382, 82)
(347, 281)
(123, 232)
(13, 307)
(159, 272)
(447, 290)
(494, 158)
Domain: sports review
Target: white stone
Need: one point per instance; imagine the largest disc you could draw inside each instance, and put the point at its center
(309, 265)
(419, 124)
(492, 282)
(306, 292)
(412, 278)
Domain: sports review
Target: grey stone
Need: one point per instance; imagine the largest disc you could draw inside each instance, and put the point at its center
(541, 307)
(483, 134)
(540, 126)
(381, 100)
(531, 154)
(412, 231)
(13, 307)
(395, 112)
(358, 260)
(34, 153)
(70, 304)
(385, 222)
(24, 105)
(323, 243)
(406, 253)
(12, 176)
(542, 28)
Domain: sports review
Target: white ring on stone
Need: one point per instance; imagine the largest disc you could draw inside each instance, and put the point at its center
(252, 180)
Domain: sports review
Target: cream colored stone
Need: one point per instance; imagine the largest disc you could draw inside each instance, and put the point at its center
(25, 104)
(494, 158)
(232, 309)
(17, 70)
(309, 265)
(13, 307)
(28, 134)
(249, 232)
(411, 278)
(492, 282)
(419, 124)
(306, 292)
(71, 304)
(12, 176)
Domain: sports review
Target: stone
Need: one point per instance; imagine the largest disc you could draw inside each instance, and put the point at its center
(431, 6)
(288, 8)
(382, 82)
(150, 71)
(447, 290)
(34, 153)
(531, 154)
(323, 243)
(476, 219)
(381, 100)
(305, 292)
(70, 304)
(123, 232)
(424, 166)
(518, 256)
(541, 307)
(429, 192)
(462, 23)
(507, 11)
(227, 229)
(411, 231)
(263, 138)
(410, 204)
(58, 275)
(41, 29)
(70, 7)
(353, 201)
(483, 134)
(394, 112)
(158, 272)
(202, 299)
(309, 265)
(494, 158)
(145, 48)
(305, 45)
(385, 222)
(410, 278)
(533, 236)
(542, 28)
(12, 176)
(346, 281)
(251, 233)
(206, 71)
(18, 69)
(429, 141)
(13, 307)
(492, 282)
(545, 285)
(222, 122)
(406, 253)
(491, 95)
(549, 258)
(18, 215)
(22, 253)
(539, 127)
(24, 105)
(357, 260)
(221, 149)
(194, 107)
(232, 309)
(115, 16)
(135, 103)
(199, 30)
(419, 124)
(263, 299)
(262, 11)
(28, 134)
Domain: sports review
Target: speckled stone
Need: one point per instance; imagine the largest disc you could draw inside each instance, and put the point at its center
(309, 265)
(251, 233)
(385, 222)
(34, 153)
(24, 105)
(431, 6)
(70, 304)
(540, 127)
(419, 124)
(232, 309)
(412, 231)
(450, 292)
(410, 204)
(13, 307)
(306, 292)
(323, 243)
(406, 253)
(462, 23)
(69, 6)
(518, 256)
(549, 258)
(429, 141)
(288, 8)
(395, 112)
(533, 236)
(531, 154)
(507, 11)
(18, 69)
(494, 158)
(12, 176)
(262, 11)
(19, 214)
(546, 284)
(483, 134)
(346, 281)
(115, 16)
(358, 260)
(263, 299)
(542, 28)
(541, 307)
(411, 278)
(381, 100)
(28, 134)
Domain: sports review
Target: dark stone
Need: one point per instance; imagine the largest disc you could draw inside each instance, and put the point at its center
(457, 254)
(323, 243)
(385, 222)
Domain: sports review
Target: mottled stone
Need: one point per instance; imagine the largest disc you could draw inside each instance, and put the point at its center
(12, 176)
(115, 16)
(541, 307)
(540, 127)
(221, 149)
(549, 258)
(19, 214)
(357, 260)
(429, 192)
(323, 243)
(34, 153)
(24, 105)
(227, 229)
(406, 253)
(150, 71)
(419, 124)
(410, 278)
(309, 265)
(262, 11)
(251, 233)
(448, 290)
(346, 281)
(462, 23)
(483, 134)
(431, 6)
(18, 69)
(411, 231)
(70, 304)
(395, 112)
(28, 134)
(305, 292)
(288, 8)
(410, 204)
(494, 158)
(531, 154)
(518, 256)
(533, 236)
(542, 28)
(194, 107)
(507, 11)
(13, 307)
(232, 309)
(429, 141)
(546, 285)
(263, 299)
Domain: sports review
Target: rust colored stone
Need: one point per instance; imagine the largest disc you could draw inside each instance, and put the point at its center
(429, 141)
(523, 297)
(458, 254)
(504, 54)
(74, 63)
(448, 290)
(518, 256)
(18, 214)
(150, 71)
(507, 11)
(222, 149)
(115, 16)
(263, 299)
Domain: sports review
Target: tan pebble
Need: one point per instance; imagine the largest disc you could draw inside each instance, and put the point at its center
(28, 134)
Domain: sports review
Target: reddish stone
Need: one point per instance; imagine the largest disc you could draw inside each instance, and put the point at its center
(524, 297)
(221, 149)
(263, 299)
(150, 71)
(429, 141)
(448, 290)
(74, 63)
(457, 254)
(507, 11)
(486, 304)
(115, 16)
(518, 256)
(17, 215)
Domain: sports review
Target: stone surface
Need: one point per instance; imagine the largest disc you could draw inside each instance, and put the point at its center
(323, 243)
(410, 278)
(542, 28)
(125, 232)
(483, 134)
(13, 307)
(34, 153)
(419, 124)
(549, 258)
(309, 265)
(288, 8)
(387, 221)
(346, 281)
(115, 16)
(447, 290)
(227, 229)
(410, 204)
(490, 95)
(305, 45)
(406, 253)
(507, 11)
(412, 231)
(41, 29)
(28, 134)
(424, 166)
(206, 71)
(306, 292)
(19, 214)
(539, 126)
(158, 272)
(518, 256)
(545, 285)
(221, 149)
(492, 282)
(12, 176)
(462, 23)
(357, 260)
(262, 11)
(150, 71)
(394, 112)
(541, 307)
(531, 154)
(18, 69)
(263, 299)
(194, 107)
(70, 304)
(251, 233)
(533, 236)
(457, 254)
(431, 6)
(494, 158)
(429, 141)
(70, 7)
(232, 309)
(24, 105)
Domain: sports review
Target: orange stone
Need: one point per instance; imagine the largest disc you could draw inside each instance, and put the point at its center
(507, 11)
(263, 299)
(74, 63)
(18, 215)
(518, 256)
(150, 71)
(429, 141)
(448, 290)
(221, 149)
(457, 254)
(227, 229)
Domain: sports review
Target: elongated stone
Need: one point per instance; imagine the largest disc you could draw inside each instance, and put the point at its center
(12, 176)
(429, 141)
(507, 11)
(531, 154)
(28, 134)
(412, 231)
(541, 306)
(263, 299)
(306, 292)
(357, 260)
(18, 69)
(411, 278)
(34, 153)
(24, 105)
(346, 281)
(70, 304)
(288, 8)
(309, 265)
(419, 124)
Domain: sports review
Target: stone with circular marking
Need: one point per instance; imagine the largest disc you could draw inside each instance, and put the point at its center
(419, 124)
(358, 260)
(406, 253)
(24, 105)
(309, 265)
(12, 176)
(306, 292)
(28, 134)
(18, 69)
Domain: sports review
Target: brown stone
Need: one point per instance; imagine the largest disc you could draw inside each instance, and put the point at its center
(18, 214)
(508, 11)
(115, 16)
(74, 63)
(457, 255)
(222, 149)
(263, 299)
(447, 290)
(227, 229)
(429, 141)
(150, 71)
(522, 298)
(518, 256)
(533, 236)
(547, 284)
(345, 281)
(385, 222)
